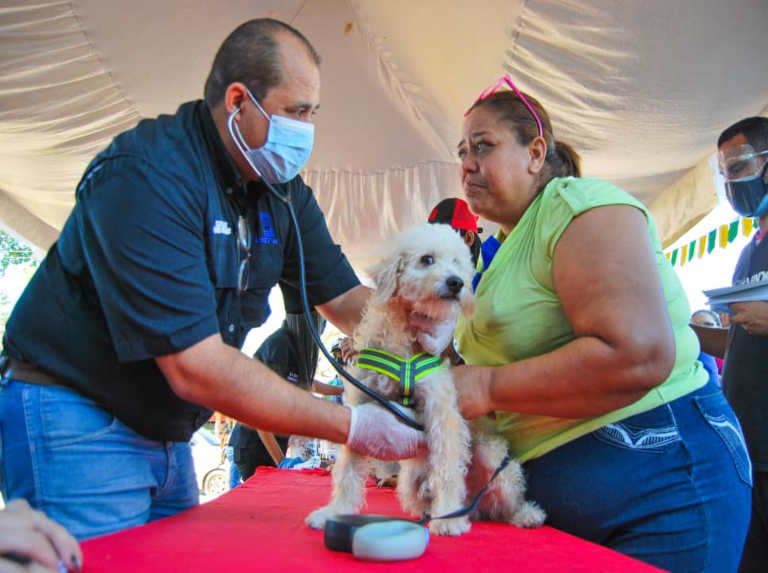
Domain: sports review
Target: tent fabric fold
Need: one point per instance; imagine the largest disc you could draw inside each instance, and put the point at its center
(641, 90)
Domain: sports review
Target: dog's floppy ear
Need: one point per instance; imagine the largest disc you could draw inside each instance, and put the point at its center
(385, 274)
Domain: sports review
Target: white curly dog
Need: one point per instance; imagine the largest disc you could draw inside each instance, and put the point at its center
(420, 289)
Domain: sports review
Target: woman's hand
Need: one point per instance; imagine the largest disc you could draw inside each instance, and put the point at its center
(473, 385)
(348, 352)
(30, 541)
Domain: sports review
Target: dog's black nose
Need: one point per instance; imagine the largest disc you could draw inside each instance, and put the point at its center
(454, 284)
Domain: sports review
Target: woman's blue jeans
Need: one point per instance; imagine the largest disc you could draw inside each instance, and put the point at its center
(82, 466)
(670, 487)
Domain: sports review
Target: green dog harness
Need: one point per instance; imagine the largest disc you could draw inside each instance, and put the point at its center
(406, 372)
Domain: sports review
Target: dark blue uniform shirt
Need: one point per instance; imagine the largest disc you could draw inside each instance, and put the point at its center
(745, 372)
(147, 264)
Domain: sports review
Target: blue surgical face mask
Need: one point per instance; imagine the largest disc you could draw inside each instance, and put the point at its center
(748, 195)
(286, 150)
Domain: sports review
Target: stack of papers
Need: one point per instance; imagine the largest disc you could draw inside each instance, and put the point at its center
(720, 298)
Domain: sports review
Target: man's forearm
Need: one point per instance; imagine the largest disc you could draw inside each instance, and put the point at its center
(345, 310)
(220, 377)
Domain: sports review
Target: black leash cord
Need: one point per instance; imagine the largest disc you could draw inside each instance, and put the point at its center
(473, 504)
(305, 303)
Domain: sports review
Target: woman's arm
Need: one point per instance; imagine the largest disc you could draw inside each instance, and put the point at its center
(606, 277)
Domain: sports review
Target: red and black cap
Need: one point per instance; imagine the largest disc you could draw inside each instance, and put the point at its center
(455, 212)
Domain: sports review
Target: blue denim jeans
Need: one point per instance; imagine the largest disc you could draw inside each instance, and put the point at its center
(85, 468)
(235, 479)
(670, 487)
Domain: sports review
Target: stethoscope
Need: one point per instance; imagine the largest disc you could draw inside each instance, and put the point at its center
(286, 200)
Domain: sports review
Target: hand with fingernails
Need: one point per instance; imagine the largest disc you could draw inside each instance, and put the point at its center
(31, 542)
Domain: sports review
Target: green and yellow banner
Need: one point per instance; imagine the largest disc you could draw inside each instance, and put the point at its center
(722, 236)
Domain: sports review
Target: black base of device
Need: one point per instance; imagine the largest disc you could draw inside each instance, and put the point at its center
(340, 529)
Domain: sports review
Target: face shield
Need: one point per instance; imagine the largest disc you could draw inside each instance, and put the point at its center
(743, 169)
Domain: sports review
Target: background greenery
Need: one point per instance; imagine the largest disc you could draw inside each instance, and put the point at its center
(18, 262)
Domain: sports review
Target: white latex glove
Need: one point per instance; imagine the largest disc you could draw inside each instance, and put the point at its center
(376, 432)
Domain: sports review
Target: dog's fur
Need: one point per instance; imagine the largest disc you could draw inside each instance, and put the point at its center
(420, 290)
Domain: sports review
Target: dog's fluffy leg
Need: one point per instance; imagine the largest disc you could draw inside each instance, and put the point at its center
(505, 499)
(349, 474)
(449, 452)
(411, 486)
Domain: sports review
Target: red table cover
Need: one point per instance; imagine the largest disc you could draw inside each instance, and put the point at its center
(259, 526)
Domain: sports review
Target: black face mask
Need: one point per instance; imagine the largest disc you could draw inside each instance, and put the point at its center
(748, 196)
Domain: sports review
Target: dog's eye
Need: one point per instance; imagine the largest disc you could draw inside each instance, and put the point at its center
(427, 260)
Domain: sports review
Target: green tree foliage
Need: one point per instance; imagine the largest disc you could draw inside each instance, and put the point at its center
(13, 252)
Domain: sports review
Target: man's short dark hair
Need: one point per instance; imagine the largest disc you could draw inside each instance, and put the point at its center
(754, 130)
(251, 55)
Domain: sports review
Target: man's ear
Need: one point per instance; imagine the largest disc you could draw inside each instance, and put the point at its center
(234, 96)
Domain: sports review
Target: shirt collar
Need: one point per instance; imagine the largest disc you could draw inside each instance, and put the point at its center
(227, 175)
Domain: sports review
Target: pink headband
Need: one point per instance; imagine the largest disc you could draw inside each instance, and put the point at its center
(500, 83)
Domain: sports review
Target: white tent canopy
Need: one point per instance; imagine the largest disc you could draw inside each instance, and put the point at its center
(640, 88)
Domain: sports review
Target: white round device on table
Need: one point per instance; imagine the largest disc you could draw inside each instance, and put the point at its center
(376, 537)
(390, 541)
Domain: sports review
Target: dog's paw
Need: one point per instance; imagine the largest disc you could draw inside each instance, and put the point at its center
(390, 481)
(317, 519)
(410, 503)
(529, 515)
(453, 526)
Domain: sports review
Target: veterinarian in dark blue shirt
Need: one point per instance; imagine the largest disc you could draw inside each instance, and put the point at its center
(128, 335)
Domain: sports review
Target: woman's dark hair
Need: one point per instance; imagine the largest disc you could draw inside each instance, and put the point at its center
(569, 158)
(251, 55)
(510, 109)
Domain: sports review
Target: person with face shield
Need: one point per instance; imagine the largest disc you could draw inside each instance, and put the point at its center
(743, 160)
(129, 334)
